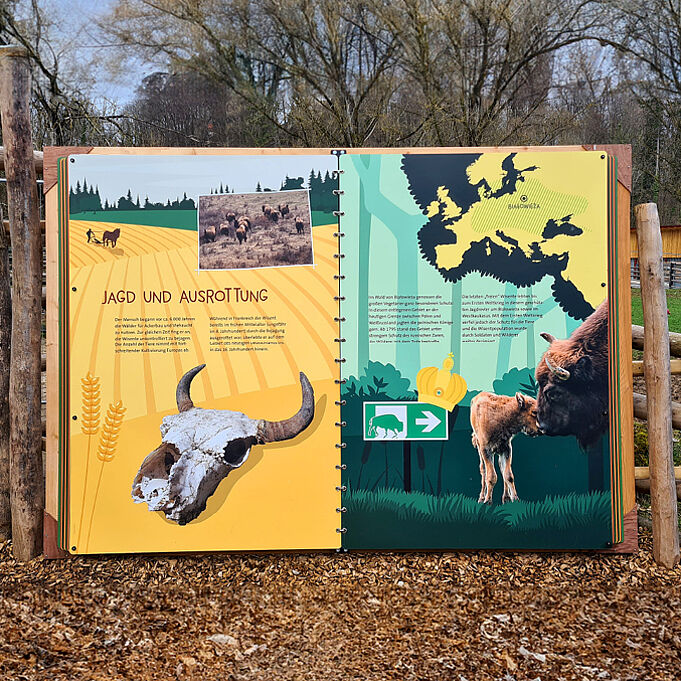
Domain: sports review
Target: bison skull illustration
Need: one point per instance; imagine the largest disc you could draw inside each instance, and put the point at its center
(201, 446)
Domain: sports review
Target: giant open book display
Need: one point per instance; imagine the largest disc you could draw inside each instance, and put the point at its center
(323, 349)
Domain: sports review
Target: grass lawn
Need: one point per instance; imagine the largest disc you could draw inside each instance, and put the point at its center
(673, 304)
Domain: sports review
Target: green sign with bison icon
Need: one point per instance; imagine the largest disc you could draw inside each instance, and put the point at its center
(404, 421)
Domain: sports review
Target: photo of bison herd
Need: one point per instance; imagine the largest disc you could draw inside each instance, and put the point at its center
(262, 229)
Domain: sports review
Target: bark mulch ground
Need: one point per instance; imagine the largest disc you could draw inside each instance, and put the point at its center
(469, 617)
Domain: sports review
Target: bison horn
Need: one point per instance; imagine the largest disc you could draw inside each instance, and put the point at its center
(274, 431)
(184, 401)
(558, 372)
(549, 338)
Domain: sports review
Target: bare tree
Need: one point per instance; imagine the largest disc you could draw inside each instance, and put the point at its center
(62, 111)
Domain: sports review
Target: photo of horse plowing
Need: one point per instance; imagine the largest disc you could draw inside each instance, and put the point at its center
(260, 229)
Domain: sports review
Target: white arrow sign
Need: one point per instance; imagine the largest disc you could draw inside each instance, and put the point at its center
(430, 421)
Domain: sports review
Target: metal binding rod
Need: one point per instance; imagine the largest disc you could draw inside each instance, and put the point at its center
(338, 213)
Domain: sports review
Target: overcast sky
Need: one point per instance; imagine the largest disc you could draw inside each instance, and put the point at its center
(86, 43)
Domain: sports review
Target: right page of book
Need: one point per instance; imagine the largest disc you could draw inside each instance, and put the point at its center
(477, 377)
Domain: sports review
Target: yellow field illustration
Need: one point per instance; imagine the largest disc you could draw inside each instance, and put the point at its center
(141, 316)
(136, 240)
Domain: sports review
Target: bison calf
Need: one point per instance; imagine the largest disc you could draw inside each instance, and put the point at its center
(496, 419)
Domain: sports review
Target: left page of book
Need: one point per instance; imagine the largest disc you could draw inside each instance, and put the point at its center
(198, 357)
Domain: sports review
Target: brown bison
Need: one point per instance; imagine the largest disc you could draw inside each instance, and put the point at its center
(230, 217)
(267, 210)
(573, 381)
(300, 225)
(111, 237)
(243, 226)
(284, 210)
(274, 216)
(209, 234)
(495, 420)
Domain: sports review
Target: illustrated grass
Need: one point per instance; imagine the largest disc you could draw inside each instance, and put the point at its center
(176, 219)
(392, 518)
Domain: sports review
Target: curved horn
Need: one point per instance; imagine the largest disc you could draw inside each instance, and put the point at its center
(549, 338)
(558, 372)
(184, 401)
(274, 431)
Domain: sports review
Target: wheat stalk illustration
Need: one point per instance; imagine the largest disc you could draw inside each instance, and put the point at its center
(109, 437)
(90, 400)
(108, 440)
(90, 404)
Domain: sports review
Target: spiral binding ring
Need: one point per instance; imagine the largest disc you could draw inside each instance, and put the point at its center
(339, 319)
(337, 172)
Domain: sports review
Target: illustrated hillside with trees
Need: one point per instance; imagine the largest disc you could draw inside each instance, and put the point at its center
(85, 203)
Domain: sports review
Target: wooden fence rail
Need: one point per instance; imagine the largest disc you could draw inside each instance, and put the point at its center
(671, 272)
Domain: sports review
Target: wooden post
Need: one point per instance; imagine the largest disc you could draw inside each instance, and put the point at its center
(5, 345)
(26, 468)
(658, 386)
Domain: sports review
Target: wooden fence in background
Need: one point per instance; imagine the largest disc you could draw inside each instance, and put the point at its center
(21, 461)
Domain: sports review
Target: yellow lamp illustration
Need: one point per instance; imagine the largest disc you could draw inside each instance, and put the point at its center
(441, 387)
